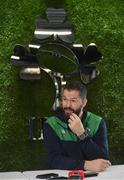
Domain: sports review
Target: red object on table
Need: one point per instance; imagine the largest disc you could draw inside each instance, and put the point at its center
(74, 172)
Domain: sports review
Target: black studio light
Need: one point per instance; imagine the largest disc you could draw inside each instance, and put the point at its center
(56, 30)
(92, 56)
(23, 57)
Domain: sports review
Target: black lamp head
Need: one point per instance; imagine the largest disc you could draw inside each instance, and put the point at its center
(92, 55)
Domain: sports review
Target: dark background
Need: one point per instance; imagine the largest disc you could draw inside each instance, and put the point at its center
(94, 21)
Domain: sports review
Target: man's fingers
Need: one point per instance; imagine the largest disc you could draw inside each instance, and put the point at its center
(69, 120)
(69, 125)
(72, 117)
(107, 162)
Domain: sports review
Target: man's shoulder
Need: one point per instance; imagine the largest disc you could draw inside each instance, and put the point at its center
(55, 122)
(92, 122)
(93, 116)
(51, 120)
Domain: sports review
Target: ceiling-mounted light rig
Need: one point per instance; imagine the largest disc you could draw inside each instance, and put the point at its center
(56, 30)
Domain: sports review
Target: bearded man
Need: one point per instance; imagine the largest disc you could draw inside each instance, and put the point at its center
(74, 137)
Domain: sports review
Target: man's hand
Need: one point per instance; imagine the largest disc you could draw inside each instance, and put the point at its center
(96, 165)
(75, 124)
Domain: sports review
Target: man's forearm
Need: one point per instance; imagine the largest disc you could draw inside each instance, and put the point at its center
(63, 162)
(92, 150)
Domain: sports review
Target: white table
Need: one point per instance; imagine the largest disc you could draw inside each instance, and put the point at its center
(12, 176)
(32, 174)
(115, 172)
(112, 173)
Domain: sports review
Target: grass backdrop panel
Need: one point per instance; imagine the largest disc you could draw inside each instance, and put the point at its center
(95, 21)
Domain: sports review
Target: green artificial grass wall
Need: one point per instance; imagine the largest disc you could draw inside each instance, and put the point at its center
(101, 22)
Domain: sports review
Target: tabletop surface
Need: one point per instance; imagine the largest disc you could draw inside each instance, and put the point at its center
(115, 172)
(12, 176)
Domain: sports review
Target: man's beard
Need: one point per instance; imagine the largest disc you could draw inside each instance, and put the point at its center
(67, 114)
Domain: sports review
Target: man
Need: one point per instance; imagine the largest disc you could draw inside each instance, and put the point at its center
(75, 138)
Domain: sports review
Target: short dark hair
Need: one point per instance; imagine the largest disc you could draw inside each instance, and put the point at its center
(78, 86)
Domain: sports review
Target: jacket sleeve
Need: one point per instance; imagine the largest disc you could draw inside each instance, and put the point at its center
(56, 158)
(97, 146)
